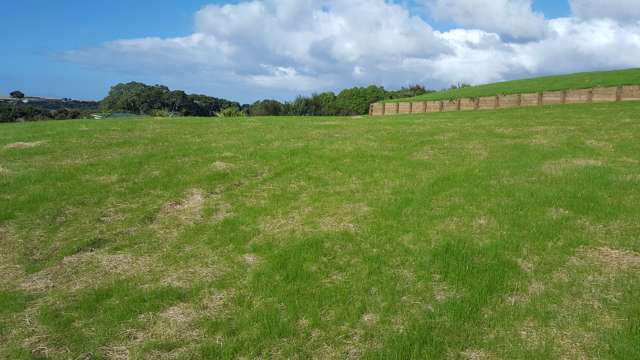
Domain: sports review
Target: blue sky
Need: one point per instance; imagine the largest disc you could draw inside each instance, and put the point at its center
(49, 46)
(34, 32)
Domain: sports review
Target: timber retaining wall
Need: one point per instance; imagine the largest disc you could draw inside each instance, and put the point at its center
(581, 96)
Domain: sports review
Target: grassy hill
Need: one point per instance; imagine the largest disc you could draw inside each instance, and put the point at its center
(495, 234)
(549, 83)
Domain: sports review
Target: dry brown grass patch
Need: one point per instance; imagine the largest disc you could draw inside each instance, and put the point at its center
(12, 272)
(558, 213)
(632, 178)
(223, 211)
(609, 260)
(425, 154)
(441, 290)
(24, 145)
(474, 354)
(185, 277)
(189, 209)
(478, 151)
(588, 283)
(222, 166)
(600, 145)
(557, 167)
(175, 324)
(345, 218)
(217, 304)
(85, 270)
(370, 319)
(250, 259)
(293, 222)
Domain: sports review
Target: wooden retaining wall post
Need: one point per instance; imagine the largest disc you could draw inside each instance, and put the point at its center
(383, 109)
(563, 97)
(540, 98)
(619, 93)
(397, 108)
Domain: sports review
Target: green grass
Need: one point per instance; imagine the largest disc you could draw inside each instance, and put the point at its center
(548, 83)
(501, 234)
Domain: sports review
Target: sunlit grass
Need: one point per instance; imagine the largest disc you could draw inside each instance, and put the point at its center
(548, 83)
(506, 234)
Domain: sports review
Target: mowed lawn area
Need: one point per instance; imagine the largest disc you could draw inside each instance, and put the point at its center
(510, 234)
(539, 84)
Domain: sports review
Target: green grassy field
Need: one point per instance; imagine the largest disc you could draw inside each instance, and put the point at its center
(549, 83)
(506, 234)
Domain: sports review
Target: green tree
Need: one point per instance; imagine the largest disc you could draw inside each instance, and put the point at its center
(266, 108)
(327, 103)
(140, 98)
(17, 94)
(356, 101)
(407, 92)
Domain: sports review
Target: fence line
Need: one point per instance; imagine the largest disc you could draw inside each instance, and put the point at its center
(581, 96)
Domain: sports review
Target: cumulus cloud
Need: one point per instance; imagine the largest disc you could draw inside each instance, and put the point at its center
(571, 46)
(511, 18)
(621, 10)
(280, 48)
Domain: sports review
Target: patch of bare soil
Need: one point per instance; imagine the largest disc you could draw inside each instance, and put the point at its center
(24, 145)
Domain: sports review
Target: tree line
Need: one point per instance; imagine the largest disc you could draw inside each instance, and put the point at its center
(159, 100)
(20, 112)
(349, 102)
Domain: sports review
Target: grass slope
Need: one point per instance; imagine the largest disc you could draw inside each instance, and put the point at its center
(507, 234)
(549, 83)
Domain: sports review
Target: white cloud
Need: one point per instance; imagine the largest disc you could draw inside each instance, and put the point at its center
(512, 18)
(280, 48)
(621, 10)
(571, 46)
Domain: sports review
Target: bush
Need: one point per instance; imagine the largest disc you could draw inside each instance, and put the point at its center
(231, 112)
